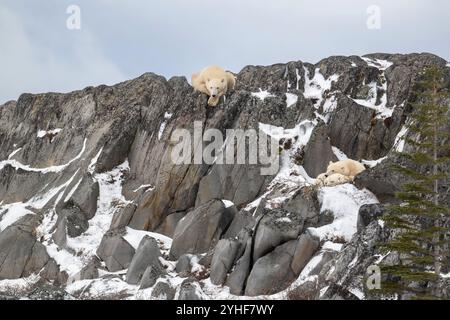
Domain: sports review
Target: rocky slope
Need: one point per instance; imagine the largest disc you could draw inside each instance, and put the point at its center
(92, 207)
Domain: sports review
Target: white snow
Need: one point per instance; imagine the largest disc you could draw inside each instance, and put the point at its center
(339, 154)
(333, 246)
(291, 99)
(344, 202)
(378, 63)
(17, 285)
(373, 163)
(330, 105)
(357, 292)
(163, 125)
(262, 95)
(354, 65)
(381, 257)
(43, 133)
(399, 142)
(161, 129)
(303, 130)
(101, 288)
(284, 219)
(323, 291)
(14, 211)
(134, 237)
(85, 245)
(316, 87)
(382, 111)
(168, 115)
(94, 160)
(448, 64)
(227, 203)
(12, 154)
(149, 187)
(290, 174)
(71, 192)
(17, 165)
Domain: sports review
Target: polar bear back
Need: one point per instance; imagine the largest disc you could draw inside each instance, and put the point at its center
(347, 167)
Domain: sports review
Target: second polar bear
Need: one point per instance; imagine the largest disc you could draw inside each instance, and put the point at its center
(335, 179)
(213, 81)
(347, 167)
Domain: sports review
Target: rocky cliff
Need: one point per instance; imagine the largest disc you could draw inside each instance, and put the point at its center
(92, 207)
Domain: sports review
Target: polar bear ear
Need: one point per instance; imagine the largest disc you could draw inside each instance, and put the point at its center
(331, 162)
(223, 80)
(208, 79)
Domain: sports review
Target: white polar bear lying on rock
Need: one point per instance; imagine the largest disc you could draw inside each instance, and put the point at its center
(213, 81)
(340, 172)
(347, 167)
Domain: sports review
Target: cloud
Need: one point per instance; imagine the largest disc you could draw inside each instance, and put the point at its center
(28, 64)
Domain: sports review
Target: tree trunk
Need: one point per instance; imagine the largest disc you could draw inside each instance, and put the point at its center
(437, 253)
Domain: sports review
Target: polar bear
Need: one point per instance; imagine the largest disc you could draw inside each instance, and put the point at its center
(321, 178)
(213, 81)
(347, 167)
(335, 179)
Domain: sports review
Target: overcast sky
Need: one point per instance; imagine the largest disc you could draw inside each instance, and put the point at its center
(120, 39)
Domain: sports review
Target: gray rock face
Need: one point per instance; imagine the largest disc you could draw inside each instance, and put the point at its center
(201, 229)
(318, 152)
(223, 259)
(276, 227)
(184, 264)
(151, 275)
(368, 213)
(276, 270)
(147, 255)
(115, 251)
(238, 277)
(20, 253)
(241, 184)
(134, 121)
(307, 246)
(271, 273)
(85, 197)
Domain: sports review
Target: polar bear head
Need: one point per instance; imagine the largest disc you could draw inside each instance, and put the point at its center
(337, 167)
(216, 86)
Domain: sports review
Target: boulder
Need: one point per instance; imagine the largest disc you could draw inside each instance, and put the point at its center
(276, 270)
(115, 251)
(223, 259)
(85, 196)
(275, 227)
(318, 152)
(151, 275)
(271, 273)
(368, 213)
(237, 278)
(183, 265)
(20, 253)
(201, 229)
(307, 245)
(147, 255)
(163, 291)
(190, 290)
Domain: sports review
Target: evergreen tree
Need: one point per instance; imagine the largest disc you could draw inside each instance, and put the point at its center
(420, 220)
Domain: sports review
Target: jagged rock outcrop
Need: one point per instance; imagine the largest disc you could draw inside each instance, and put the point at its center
(88, 188)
